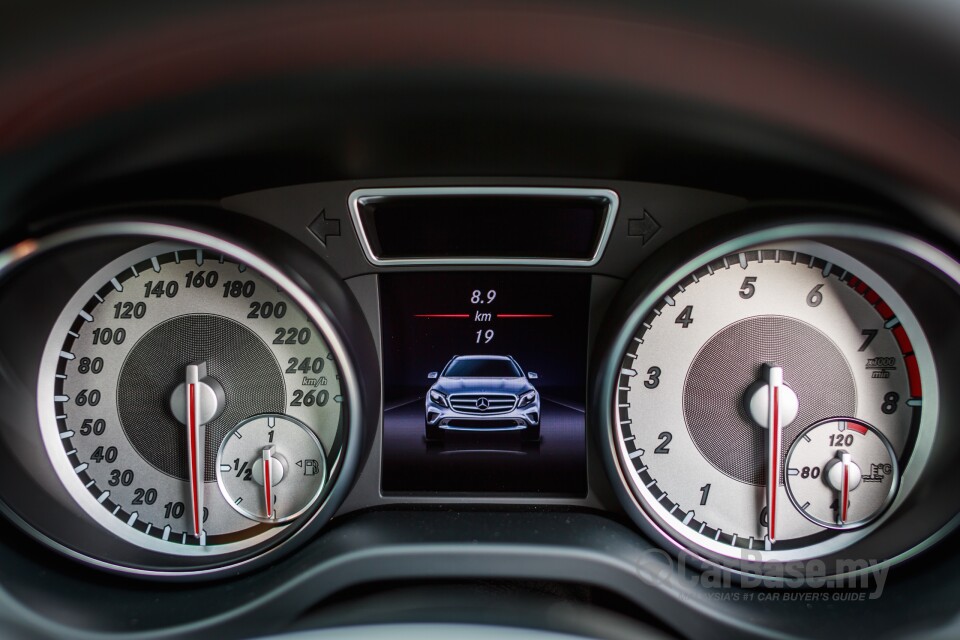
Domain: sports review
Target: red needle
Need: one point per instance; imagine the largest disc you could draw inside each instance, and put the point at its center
(267, 491)
(846, 488)
(774, 382)
(195, 444)
(846, 485)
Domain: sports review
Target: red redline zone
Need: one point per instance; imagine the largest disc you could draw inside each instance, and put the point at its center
(899, 333)
(859, 428)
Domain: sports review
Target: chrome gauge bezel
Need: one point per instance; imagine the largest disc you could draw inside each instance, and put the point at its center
(226, 492)
(890, 495)
(158, 236)
(809, 238)
(50, 431)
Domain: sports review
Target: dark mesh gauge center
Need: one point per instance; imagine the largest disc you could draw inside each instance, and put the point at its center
(731, 361)
(236, 358)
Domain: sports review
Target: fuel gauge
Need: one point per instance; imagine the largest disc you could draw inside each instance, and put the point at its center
(841, 473)
(271, 468)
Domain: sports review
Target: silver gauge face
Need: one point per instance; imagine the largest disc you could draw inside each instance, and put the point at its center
(841, 473)
(159, 357)
(271, 468)
(733, 365)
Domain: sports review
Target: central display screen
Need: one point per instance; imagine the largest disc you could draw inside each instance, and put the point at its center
(484, 382)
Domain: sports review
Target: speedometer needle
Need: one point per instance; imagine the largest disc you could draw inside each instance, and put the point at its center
(195, 443)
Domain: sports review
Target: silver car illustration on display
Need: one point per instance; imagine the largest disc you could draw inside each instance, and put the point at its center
(482, 393)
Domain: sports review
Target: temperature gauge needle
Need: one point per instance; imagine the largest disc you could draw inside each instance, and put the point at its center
(774, 445)
(849, 479)
(268, 480)
(195, 443)
(843, 475)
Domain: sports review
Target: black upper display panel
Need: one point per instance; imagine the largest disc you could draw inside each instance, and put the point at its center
(568, 227)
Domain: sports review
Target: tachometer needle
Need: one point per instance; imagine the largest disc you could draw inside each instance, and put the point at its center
(774, 445)
(773, 406)
(195, 444)
(268, 480)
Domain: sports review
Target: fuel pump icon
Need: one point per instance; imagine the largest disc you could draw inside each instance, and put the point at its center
(310, 467)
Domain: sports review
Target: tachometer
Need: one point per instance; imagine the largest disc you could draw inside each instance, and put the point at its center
(768, 401)
(162, 356)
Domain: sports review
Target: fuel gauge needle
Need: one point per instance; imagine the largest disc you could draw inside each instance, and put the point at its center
(267, 480)
(195, 446)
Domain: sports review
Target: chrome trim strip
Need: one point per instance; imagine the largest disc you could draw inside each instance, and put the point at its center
(481, 429)
(353, 204)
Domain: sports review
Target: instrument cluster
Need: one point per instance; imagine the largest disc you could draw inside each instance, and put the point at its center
(756, 393)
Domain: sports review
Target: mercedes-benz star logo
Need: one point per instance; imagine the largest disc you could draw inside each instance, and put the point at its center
(483, 404)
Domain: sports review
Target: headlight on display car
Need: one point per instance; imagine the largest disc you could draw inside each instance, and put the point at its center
(439, 398)
(527, 399)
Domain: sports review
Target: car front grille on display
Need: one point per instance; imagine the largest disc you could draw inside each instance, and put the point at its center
(483, 403)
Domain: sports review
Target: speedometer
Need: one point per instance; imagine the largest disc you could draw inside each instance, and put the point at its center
(162, 357)
(768, 402)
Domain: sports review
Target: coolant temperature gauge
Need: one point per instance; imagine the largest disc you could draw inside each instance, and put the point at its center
(841, 473)
(271, 468)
